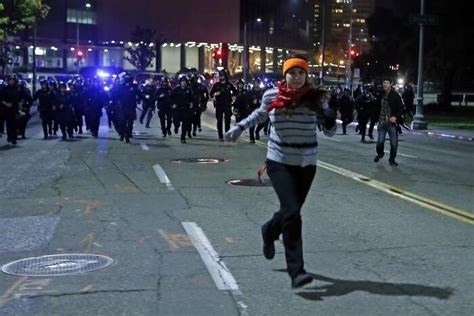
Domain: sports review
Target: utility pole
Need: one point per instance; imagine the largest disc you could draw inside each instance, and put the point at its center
(323, 40)
(419, 122)
(349, 44)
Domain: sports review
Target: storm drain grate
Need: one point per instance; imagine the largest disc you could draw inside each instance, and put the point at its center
(251, 182)
(200, 160)
(57, 265)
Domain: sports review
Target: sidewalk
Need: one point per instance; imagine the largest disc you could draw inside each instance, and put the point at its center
(459, 134)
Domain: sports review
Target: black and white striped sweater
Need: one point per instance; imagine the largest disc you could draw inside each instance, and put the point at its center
(293, 138)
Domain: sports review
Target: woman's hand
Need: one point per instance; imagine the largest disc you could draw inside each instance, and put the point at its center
(233, 134)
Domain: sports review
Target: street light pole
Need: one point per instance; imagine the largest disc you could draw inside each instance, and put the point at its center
(349, 42)
(245, 55)
(323, 41)
(419, 122)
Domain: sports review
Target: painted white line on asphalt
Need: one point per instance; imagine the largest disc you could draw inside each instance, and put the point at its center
(145, 147)
(214, 264)
(403, 155)
(163, 177)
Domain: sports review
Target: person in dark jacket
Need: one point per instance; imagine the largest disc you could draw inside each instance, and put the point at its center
(65, 111)
(391, 109)
(222, 93)
(77, 100)
(346, 108)
(182, 103)
(254, 97)
(9, 105)
(26, 100)
(200, 98)
(95, 99)
(241, 103)
(163, 102)
(363, 102)
(127, 95)
(45, 97)
(148, 95)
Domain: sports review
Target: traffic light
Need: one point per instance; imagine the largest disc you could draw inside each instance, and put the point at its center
(354, 53)
(218, 53)
(79, 55)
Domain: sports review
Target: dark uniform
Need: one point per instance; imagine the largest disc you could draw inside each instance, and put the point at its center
(95, 99)
(45, 97)
(255, 98)
(222, 93)
(26, 100)
(346, 108)
(77, 100)
(127, 95)
(241, 103)
(163, 101)
(363, 103)
(9, 105)
(148, 95)
(65, 112)
(200, 98)
(182, 100)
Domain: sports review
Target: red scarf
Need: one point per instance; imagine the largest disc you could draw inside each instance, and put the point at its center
(287, 96)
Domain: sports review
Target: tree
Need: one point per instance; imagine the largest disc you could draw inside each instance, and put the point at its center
(141, 52)
(18, 15)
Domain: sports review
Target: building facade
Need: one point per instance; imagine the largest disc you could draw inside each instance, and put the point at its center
(82, 33)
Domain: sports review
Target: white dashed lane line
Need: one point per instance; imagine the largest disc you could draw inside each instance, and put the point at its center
(163, 177)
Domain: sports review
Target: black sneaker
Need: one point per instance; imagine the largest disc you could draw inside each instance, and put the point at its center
(169, 132)
(393, 163)
(301, 279)
(268, 247)
(376, 159)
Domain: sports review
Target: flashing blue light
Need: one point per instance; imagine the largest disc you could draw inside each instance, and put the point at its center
(103, 74)
(106, 88)
(265, 79)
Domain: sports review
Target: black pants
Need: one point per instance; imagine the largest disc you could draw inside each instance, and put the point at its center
(47, 123)
(12, 125)
(186, 120)
(196, 120)
(125, 127)
(363, 120)
(147, 111)
(291, 184)
(165, 121)
(67, 128)
(223, 114)
(22, 123)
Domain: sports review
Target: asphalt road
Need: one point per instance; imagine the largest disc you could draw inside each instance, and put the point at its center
(380, 240)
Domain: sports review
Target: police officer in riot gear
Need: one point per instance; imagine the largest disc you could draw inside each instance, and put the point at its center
(77, 101)
(182, 103)
(222, 93)
(163, 101)
(65, 111)
(127, 96)
(95, 98)
(9, 105)
(241, 103)
(24, 106)
(254, 97)
(200, 98)
(148, 95)
(45, 97)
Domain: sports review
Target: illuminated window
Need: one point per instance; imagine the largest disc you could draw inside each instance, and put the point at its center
(81, 16)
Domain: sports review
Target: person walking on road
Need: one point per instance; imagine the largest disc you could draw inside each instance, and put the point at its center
(294, 108)
(391, 108)
(222, 92)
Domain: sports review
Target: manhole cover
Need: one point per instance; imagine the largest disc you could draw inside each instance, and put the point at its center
(251, 182)
(200, 160)
(57, 265)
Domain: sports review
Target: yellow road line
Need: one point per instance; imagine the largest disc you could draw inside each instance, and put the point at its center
(441, 208)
